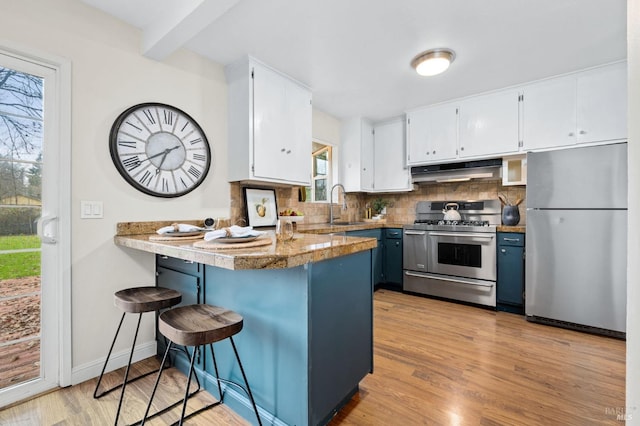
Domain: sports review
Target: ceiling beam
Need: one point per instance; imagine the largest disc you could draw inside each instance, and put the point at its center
(179, 26)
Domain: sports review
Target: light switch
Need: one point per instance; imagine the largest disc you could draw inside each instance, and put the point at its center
(91, 210)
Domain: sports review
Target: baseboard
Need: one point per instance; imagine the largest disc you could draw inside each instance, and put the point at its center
(84, 372)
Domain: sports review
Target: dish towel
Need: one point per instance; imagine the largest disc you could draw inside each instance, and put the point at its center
(234, 231)
(178, 227)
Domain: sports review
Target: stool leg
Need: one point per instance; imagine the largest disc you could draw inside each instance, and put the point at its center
(126, 373)
(215, 368)
(104, 367)
(245, 381)
(155, 387)
(186, 392)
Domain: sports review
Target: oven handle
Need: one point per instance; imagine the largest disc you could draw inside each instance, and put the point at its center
(462, 235)
(414, 232)
(453, 280)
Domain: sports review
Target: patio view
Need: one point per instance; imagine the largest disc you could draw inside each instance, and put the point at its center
(20, 206)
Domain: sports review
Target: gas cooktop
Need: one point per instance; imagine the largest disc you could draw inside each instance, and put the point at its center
(476, 216)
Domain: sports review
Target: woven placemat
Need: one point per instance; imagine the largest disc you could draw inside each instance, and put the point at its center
(212, 245)
(167, 238)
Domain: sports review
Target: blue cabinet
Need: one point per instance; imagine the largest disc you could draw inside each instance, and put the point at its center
(510, 285)
(377, 253)
(186, 277)
(392, 266)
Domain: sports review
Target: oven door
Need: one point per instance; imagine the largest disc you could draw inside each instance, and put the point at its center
(462, 254)
(414, 250)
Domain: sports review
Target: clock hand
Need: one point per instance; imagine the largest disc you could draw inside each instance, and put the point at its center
(165, 152)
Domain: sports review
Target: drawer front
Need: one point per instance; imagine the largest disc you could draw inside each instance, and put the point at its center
(176, 264)
(393, 233)
(510, 239)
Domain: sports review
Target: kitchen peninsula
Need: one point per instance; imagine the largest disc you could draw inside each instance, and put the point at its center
(307, 306)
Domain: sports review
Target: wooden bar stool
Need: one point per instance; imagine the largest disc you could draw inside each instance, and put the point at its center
(196, 325)
(136, 300)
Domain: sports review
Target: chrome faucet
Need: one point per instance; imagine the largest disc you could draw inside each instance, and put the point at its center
(344, 201)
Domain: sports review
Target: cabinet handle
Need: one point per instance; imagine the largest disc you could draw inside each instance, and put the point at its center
(289, 152)
(503, 250)
(397, 243)
(434, 152)
(283, 149)
(164, 257)
(511, 239)
(570, 134)
(428, 153)
(462, 148)
(188, 261)
(583, 132)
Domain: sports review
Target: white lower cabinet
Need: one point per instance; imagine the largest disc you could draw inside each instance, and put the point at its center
(269, 125)
(488, 124)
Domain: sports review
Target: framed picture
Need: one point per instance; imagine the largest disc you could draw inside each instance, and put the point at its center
(261, 207)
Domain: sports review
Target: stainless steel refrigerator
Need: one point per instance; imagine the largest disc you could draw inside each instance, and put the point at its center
(576, 245)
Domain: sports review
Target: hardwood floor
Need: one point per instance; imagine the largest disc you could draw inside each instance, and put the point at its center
(435, 363)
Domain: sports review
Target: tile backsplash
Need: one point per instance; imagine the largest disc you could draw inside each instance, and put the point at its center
(401, 208)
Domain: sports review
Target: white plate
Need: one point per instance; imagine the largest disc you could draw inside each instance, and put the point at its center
(182, 234)
(227, 240)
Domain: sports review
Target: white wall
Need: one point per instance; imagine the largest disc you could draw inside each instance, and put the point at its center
(109, 75)
(633, 271)
(326, 128)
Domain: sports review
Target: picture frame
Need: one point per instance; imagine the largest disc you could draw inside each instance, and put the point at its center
(261, 207)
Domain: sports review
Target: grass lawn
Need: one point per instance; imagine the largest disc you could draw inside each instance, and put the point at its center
(18, 265)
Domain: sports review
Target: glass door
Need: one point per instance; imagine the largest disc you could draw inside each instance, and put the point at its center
(29, 276)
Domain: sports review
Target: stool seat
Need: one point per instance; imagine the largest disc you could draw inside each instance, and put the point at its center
(146, 299)
(196, 325)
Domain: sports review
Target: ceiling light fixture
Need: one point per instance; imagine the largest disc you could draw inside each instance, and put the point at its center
(433, 61)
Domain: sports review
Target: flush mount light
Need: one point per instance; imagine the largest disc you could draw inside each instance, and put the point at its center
(433, 61)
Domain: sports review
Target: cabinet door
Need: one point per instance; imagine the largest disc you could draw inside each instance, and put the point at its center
(432, 134)
(602, 104)
(549, 113)
(281, 127)
(510, 285)
(489, 124)
(390, 171)
(367, 157)
(393, 259)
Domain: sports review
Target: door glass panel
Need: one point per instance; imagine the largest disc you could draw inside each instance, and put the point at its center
(21, 135)
(460, 254)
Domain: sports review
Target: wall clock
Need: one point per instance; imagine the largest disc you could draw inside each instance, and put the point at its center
(159, 149)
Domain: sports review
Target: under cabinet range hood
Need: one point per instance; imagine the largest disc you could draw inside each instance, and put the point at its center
(457, 172)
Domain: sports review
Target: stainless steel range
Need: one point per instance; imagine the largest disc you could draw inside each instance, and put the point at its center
(453, 259)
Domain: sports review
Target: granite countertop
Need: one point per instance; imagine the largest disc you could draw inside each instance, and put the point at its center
(302, 249)
(326, 228)
(517, 228)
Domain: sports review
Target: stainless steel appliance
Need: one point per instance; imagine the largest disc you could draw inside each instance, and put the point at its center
(452, 259)
(577, 238)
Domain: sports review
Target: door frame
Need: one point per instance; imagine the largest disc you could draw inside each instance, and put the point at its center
(59, 135)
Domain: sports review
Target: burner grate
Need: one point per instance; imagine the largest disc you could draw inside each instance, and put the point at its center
(453, 222)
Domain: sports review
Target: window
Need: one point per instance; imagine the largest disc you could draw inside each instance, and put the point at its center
(321, 179)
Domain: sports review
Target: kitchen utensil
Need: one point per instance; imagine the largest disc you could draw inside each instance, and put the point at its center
(451, 211)
(503, 200)
(518, 201)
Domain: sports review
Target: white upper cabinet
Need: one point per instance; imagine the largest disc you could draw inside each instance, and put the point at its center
(390, 170)
(432, 134)
(602, 104)
(488, 124)
(549, 113)
(269, 125)
(585, 107)
(356, 155)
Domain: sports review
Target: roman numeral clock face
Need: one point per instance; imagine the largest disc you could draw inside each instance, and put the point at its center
(160, 150)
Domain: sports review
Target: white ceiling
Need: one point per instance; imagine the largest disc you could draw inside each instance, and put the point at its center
(355, 54)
